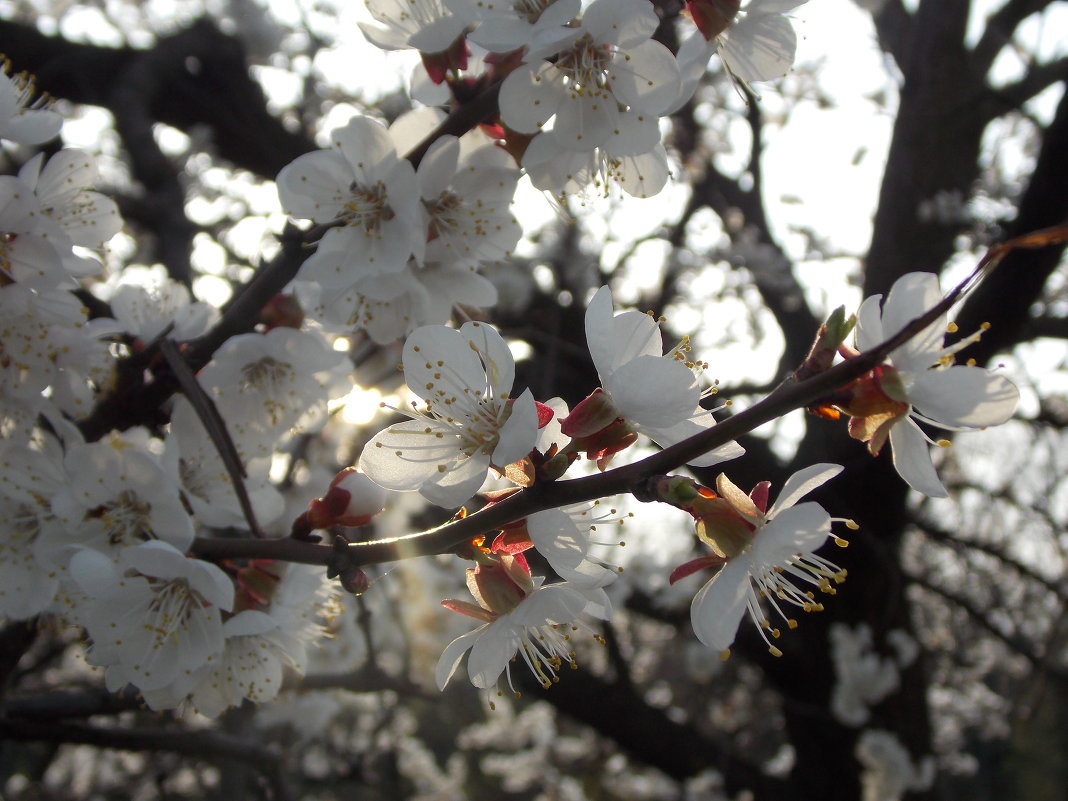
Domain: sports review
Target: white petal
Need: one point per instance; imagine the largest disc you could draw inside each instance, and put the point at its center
(439, 363)
(528, 98)
(499, 366)
(451, 656)
(367, 147)
(624, 23)
(801, 484)
(910, 296)
(646, 77)
(519, 432)
(314, 186)
(412, 127)
(557, 538)
(458, 483)
(654, 391)
(643, 175)
(556, 603)
(666, 437)
(406, 455)
(800, 529)
(973, 397)
(587, 121)
(718, 607)
(491, 652)
(760, 47)
(438, 166)
(912, 459)
(869, 323)
(95, 574)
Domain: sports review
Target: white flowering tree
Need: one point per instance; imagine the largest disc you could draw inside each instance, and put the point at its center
(319, 328)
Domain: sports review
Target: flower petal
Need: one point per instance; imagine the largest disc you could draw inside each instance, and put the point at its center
(406, 455)
(457, 484)
(491, 652)
(802, 483)
(654, 391)
(760, 47)
(451, 656)
(519, 433)
(912, 459)
(800, 529)
(973, 397)
(718, 607)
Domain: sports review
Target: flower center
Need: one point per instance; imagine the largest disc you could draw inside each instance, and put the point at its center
(585, 67)
(127, 516)
(367, 208)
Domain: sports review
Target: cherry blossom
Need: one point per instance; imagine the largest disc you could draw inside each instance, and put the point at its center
(72, 213)
(145, 308)
(564, 538)
(266, 383)
(25, 118)
(756, 43)
(25, 257)
(469, 423)
(467, 203)
(191, 458)
(643, 390)
(117, 495)
(155, 615)
(371, 196)
(28, 479)
(764, 554)
(266, 638)
(920, 383)
(429, 26)
(389, 308)
(612, 63)
(520, 618)
(632, 158)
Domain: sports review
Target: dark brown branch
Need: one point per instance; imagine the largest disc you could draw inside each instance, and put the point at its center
(203, 81)
(630, 478)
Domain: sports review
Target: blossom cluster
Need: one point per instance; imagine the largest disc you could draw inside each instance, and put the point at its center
(100, 531)
(104, 532)
(583, 85)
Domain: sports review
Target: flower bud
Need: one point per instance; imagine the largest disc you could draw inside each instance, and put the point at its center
(352, 500)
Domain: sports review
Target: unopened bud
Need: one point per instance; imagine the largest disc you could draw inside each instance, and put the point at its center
(354, 580)
(355, 498)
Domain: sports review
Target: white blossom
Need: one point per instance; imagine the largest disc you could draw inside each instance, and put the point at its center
(362, 184)
(656, 392)
(612, 63)
(155, 615)
(25, 118)
(768, 555)
(117, 495)
(469, 422)
(921, 384)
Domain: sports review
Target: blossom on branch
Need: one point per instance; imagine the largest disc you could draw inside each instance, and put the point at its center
(755, 43)
(469, 423)
(370, 196)
(919, 382)
(643, 390)
(761, 553)
(520, 617)
(611, 63)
